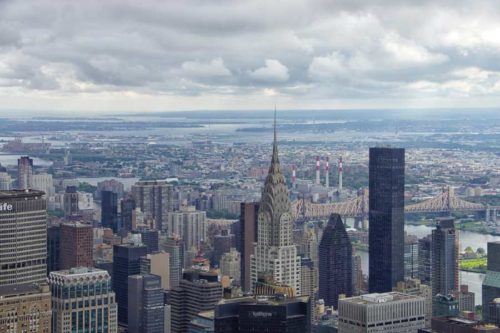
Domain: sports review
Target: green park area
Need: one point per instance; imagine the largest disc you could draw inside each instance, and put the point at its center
(474, 265)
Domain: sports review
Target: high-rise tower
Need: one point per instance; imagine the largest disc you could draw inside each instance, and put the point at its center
(386, 213)
(335, 262)
(275, 256)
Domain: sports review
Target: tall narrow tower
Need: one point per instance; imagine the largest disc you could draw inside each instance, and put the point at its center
(294, 177)
(275, 256)
(327, 172)
(340, 174)
(317, 170)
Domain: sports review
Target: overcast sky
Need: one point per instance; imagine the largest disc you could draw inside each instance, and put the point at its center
(106, 55)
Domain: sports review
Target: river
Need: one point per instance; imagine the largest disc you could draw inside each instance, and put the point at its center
(467, 238)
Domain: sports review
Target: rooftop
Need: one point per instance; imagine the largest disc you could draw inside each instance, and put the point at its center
(13, 194)
(376, 298)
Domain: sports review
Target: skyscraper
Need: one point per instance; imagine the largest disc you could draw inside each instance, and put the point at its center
(248, 236)
(335, 262)
(386, 215)
(24, 173)
(173, 246)
(23, 239)
(146, 308)
(275, 255)
(127, 211)
(198, 291)
(126, 262)
(24, 295)
(109, 210)
(155, 199)
(190, 225)
(53, 248)
(491, 283)
(83, 301)
(424, 259)
(70, 197)
(277, 315)
(150, 238)
(76, 245)
(222, 244)
(444, 258)
(158, 264)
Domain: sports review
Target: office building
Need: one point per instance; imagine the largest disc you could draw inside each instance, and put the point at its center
(24, 173)
(411, 257)
(203, 322)
(307, 278)
(424, 259)
(26, 309)
(491, 282)
(416, 288)
(53, 248)
(43, 182)
(145, 304)
(358, 281)
(459, 325)
(275, 255)
(5, 181)
(274, 314)
(109, 210)
(309, 249)
(493, 311)
(150, 238)
(76, 245)
(190, 225)
(71, 202)
(175, 249)
(335, 262)
(111, 185)
(126, 262)
(387, 312)
(466, 299)
(127, 211)
(248, 235)
(23, 239)
(24, 294)
(444, 257)
(230, 265)
(386, 217)
(83, 301)
(155, 199)
(198, 291)
(157, 264)
(222, 244)
(445, 306)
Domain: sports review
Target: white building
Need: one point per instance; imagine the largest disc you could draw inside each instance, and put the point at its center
(43, 182)
(189, 224)
(230, 264)
(275, 255)
(392, 312)
(5, 181)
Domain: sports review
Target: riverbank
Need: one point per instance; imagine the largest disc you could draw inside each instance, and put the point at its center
(471, 226)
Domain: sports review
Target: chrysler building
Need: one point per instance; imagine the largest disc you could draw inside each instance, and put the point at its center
(275, 256)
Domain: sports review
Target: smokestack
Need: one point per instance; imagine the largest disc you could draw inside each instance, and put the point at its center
(327, 171)
(294, 176)
(317, 170)
(340, 174)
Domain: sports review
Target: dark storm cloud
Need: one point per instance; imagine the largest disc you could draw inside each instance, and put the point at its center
(296, 48)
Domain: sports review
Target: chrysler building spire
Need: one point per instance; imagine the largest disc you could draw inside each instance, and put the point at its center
(275, 255)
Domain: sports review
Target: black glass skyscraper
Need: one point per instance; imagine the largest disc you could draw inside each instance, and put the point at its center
(386, 214)
(109, 210)
(335, 262)
(444, 258)
(53, 248)
(126, 262)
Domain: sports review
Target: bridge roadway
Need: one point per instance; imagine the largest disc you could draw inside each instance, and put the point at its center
(446, 201)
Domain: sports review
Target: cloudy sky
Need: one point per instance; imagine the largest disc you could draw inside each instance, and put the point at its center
(129, 55)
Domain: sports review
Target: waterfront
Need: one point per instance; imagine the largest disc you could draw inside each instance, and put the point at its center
(467, 238)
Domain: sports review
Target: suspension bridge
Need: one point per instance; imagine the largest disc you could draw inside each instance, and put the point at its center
(446, 201)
